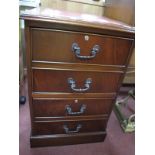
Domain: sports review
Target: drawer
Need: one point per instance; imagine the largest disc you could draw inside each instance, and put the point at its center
(73, 47)
(71, 107)
(74, 81)
(68, 127)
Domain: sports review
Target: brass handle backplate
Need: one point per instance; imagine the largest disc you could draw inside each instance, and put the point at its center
(72, 84)
(76, 49)
(81, 111)
(68, 131)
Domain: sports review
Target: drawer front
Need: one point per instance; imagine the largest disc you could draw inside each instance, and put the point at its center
(58, 46)
(68, 127)
(71, 107)
(74, 81)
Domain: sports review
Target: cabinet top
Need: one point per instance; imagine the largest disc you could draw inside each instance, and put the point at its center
(86, 20)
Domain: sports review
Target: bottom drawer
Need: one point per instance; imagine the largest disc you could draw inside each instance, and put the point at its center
(68, 127)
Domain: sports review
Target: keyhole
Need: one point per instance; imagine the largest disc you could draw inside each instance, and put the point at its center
(86, 37)
(76, 101)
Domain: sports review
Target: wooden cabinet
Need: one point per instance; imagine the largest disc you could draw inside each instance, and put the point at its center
(75, 67)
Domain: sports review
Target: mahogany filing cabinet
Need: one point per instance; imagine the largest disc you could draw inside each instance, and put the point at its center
(76, 64)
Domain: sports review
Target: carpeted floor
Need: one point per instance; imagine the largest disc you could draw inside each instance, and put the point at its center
(116, 143)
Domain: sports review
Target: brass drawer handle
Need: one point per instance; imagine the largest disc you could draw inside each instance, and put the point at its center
(72, 83)
(67, 130)
(76, 50)
(70, 112)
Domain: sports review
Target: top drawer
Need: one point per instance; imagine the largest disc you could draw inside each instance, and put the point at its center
(74, 47)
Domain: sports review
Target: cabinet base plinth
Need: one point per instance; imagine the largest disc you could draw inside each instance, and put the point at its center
(66, 139)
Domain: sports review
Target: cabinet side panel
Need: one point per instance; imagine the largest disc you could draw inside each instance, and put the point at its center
(28, 63)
